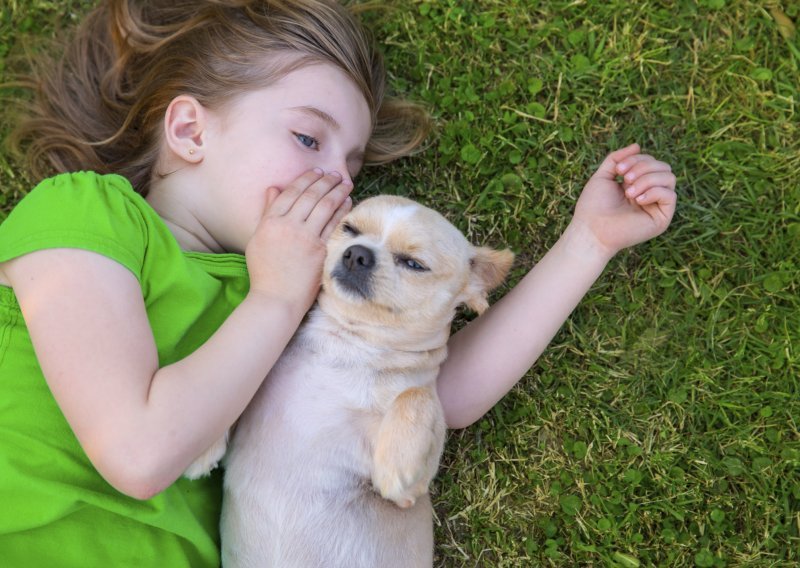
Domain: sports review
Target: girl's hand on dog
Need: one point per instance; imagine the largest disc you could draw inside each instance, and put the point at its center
(286, 252)
(630, 199)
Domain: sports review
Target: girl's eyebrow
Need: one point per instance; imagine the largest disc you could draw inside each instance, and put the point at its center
(321, 114)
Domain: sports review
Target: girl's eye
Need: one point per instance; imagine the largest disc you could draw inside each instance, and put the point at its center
(350, 230)
(410, 263)
(307, 141)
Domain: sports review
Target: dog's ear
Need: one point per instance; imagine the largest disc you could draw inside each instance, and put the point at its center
(488, 269)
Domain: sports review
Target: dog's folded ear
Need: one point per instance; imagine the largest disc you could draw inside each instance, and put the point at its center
(489, 267)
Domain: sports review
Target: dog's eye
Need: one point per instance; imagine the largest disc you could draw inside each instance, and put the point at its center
(410, 263)
(350, 229)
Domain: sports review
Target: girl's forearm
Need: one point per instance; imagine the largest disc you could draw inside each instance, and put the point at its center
(190, 403)
(489, 356)
(139, 424)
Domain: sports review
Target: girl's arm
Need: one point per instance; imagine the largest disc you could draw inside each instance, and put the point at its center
(141, 426)
(489, 356)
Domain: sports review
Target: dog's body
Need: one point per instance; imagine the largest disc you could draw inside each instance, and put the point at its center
(299, 474)
(331, 462)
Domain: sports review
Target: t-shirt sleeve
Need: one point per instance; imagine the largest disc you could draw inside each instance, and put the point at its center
(84, 210)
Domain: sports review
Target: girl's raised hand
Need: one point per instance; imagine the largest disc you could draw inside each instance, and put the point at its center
(640, 207)
(287, 250)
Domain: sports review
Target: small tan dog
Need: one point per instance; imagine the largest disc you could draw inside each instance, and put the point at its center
(330, 464)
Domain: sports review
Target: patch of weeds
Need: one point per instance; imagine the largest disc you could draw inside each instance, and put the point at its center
(660, 428)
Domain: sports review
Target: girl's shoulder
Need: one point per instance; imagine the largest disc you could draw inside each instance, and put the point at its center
(78, 190)
(87, 210)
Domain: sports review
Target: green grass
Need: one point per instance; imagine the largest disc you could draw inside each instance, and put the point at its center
(661, 426)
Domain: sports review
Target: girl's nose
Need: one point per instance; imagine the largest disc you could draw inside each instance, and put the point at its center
(341, 168)
(344, 175)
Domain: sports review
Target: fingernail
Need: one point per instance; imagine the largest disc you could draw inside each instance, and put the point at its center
(318, 170)
(640, 198)
(335, 173)
(630, 176)
(630, 191)
(622, 167)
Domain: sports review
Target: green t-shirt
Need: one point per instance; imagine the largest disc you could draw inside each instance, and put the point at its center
(55, 509)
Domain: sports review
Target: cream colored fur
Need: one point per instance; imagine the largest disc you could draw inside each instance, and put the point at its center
(331, 462)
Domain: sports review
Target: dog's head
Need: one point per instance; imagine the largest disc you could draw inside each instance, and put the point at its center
(397, 265)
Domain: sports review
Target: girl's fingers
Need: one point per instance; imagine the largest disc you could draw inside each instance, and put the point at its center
(329, 188)
(608, 169)
(626, 164)
(314, 200)
(284, 202)
(663, 198)
(343, 210)
(272, 194)
(327, 208)
(648, 180)
(636, 166)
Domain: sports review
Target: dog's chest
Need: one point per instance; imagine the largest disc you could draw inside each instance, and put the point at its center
(331, 371)
(327, 395)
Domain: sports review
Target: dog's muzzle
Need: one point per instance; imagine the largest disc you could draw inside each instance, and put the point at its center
(354, 271)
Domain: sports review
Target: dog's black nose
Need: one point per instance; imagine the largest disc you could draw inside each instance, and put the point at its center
(355, 271)
(358, 258)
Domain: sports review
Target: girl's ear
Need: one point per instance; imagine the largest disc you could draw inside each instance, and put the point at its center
(488, 269)
(184, 128)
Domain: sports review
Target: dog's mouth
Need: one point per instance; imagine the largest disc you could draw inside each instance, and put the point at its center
(351, 284)
(353, 273)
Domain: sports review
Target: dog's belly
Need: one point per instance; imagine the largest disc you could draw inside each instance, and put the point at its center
(298, 489)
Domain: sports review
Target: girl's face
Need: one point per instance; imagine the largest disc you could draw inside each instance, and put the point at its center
(314, 117)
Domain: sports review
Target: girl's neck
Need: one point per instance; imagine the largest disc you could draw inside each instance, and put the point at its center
(187, 230)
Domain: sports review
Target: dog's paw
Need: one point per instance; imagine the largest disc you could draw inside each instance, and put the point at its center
(209, 460)
(408, 447)
(401, 485)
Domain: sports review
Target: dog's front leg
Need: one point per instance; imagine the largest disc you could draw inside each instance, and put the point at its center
(408, 446)
(209, 459)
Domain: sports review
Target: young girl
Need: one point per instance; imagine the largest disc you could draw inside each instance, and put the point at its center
(207, 151)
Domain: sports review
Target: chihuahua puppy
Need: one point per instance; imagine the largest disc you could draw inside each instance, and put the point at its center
(331, 462)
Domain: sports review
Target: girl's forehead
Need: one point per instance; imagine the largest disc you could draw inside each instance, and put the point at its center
(319, 81)
(319, 90)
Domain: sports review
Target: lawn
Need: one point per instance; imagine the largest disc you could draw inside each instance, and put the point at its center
(661, 426)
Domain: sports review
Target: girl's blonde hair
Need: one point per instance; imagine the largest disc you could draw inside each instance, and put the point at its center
(100, 105)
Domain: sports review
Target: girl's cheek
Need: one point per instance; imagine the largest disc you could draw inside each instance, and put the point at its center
(289, 171)
(284, 168)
